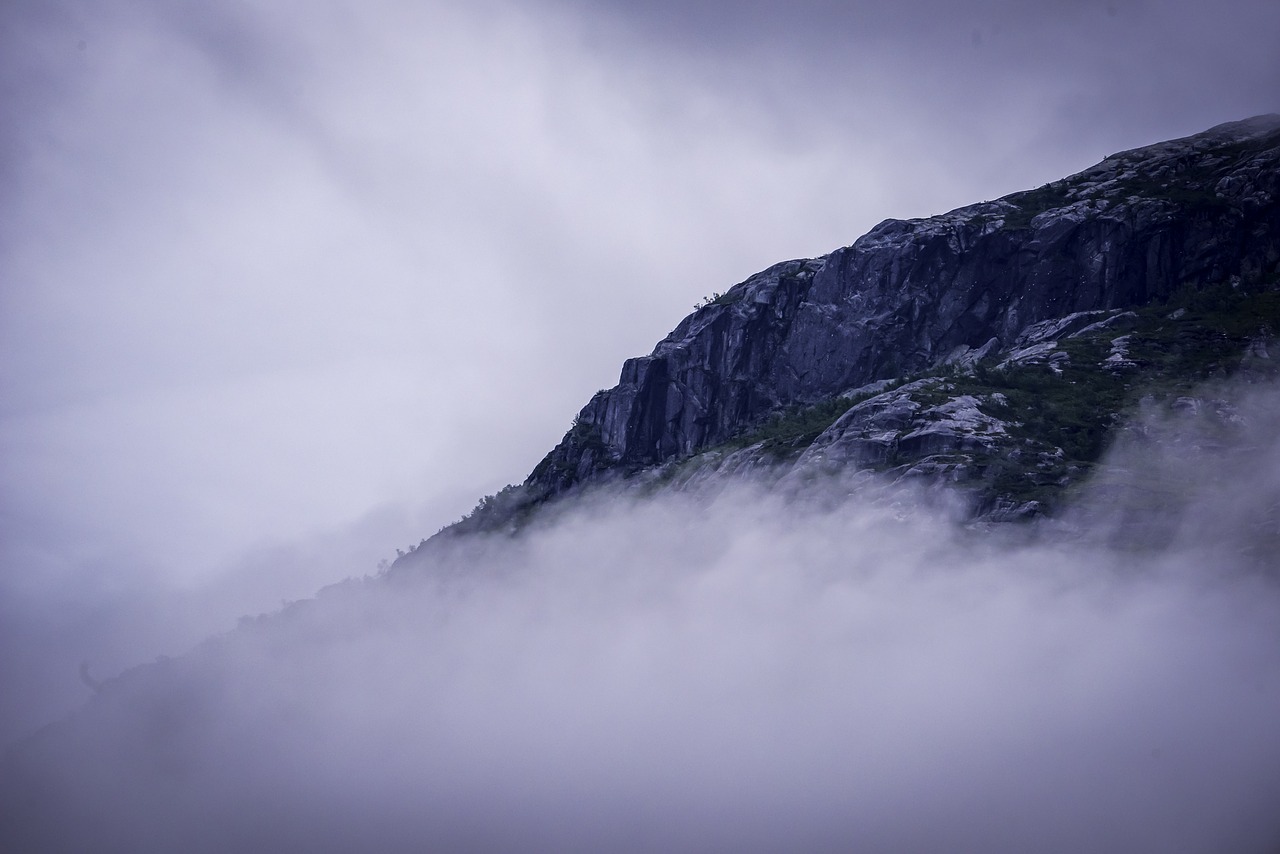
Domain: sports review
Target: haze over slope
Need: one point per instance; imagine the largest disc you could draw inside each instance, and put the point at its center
(747, 663)
(844, 667)
(243, 245)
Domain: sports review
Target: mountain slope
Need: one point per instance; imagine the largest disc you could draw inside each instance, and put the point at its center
(1009, 291)
(763, 655)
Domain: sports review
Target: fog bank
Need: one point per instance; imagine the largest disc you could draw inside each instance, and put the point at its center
(832, 670)
(284, 285)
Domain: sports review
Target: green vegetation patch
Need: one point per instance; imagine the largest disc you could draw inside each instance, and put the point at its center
(729, 297)
(1181, 191)
(1200, 334)
(787, 433)
(1074, 410)
(1032, 203)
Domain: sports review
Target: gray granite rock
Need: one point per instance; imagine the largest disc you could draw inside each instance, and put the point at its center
(1008, 280)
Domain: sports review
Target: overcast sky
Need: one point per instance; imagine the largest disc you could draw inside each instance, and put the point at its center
(286, 285)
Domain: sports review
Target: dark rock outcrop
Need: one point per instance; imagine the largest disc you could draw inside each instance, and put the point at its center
(917, 295)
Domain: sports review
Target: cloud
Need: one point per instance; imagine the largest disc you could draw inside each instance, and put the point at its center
(461, 220)
(747, 670)
(269, 270)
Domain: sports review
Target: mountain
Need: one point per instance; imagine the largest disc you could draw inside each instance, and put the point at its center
(994, 348)
(757, 632)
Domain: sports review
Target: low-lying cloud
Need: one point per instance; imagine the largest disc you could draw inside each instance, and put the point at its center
(832, 670)
(268, 266)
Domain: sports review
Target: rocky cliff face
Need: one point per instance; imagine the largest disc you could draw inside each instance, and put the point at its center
(993, 285)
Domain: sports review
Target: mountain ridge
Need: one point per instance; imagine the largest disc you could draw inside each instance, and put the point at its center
(1009, 285)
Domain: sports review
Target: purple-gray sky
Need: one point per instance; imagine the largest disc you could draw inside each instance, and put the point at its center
(286, 285)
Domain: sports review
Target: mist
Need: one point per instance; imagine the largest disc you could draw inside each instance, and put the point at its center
(286, 285)
(844, 666)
